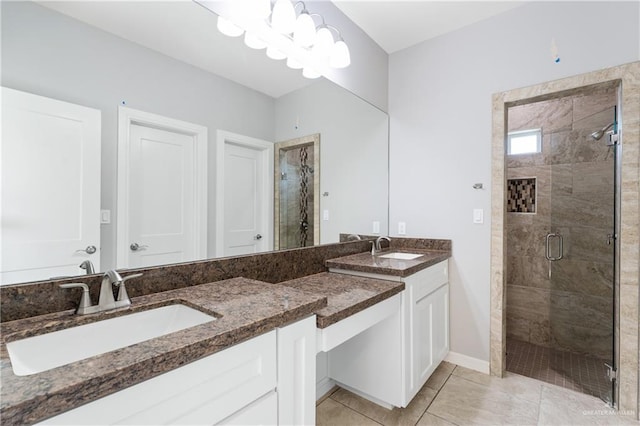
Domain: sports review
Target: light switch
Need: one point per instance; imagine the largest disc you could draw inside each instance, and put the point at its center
(402, 228)
(105, 217)
(325, 215)
(376, 227)
(478, 216)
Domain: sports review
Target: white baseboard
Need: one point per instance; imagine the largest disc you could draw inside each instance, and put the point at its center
(324, 386)
(468, 362)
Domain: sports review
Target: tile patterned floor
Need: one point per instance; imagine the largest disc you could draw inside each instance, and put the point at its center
(455, 395)
(577, 372)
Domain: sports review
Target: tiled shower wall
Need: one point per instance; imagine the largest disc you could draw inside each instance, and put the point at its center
(291, 202)
(572, 310)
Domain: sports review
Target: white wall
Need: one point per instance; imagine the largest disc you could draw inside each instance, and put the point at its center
(50, 54)
(353, 155)
(440, 145)
(367, 76)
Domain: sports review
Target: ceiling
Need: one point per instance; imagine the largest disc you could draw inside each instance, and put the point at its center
(396, 25)
(186, 31)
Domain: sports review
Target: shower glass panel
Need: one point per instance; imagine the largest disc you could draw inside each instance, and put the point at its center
(581, 269)
(561, 210)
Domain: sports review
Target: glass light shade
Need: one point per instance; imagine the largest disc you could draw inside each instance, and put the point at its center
(310, 73)
(261, 8)
(283, 18)
(304, 32)
(340, 57)
(293, 64)
(252, 41)
(228, 28)
(274, 53)
(323, 44)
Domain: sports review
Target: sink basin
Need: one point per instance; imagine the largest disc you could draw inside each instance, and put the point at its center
(46, 351)
(401, 256)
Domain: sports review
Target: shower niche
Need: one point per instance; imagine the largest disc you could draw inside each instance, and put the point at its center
(296, 191)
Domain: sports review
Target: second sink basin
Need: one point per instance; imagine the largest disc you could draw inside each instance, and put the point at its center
(401, 256)
(46, 351)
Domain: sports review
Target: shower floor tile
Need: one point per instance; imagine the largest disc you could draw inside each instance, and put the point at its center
(573, 371)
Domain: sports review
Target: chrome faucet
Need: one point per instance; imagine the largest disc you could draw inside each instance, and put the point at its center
(106, 301)
(376, 246)
(353, 237)
(87, 266)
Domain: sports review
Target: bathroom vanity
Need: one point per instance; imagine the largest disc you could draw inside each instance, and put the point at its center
(393, 321)
(381, 322)
(257, 358)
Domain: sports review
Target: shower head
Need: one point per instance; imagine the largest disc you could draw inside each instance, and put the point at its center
(598, 135)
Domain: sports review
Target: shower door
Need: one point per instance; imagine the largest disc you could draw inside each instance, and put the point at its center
(580, 245)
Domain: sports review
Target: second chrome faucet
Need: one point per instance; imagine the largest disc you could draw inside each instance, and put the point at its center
(376, 245)
(106, 301)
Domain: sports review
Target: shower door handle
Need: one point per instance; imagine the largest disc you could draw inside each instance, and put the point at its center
(547, 251)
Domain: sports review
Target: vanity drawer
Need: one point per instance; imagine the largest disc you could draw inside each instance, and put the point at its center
(203, 392)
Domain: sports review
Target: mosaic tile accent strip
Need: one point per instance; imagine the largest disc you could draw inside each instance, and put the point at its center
(581, 373)
(521, 195)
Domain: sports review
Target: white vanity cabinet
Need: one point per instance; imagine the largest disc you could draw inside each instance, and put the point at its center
(269, 379)
(427, 325)
(391, 361)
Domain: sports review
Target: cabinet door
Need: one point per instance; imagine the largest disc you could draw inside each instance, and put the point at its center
(261, 412)
(440, 331)
(430, 334)
(297, 373)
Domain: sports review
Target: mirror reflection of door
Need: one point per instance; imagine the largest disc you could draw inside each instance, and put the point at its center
(50, 187)
(244, 195)
(296, 198)
(162, 180)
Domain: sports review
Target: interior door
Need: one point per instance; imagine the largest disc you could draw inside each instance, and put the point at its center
(161, 197)
(50, 187)
(243, 198)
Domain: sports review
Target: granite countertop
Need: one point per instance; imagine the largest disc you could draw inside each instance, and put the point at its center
(365, 262)
(244, 308)
(346, 294)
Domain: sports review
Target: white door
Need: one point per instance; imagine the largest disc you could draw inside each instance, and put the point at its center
(243, 198)
(50, 187)
(244, 217)
(161, 197)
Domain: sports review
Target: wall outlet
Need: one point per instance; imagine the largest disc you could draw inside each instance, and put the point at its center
(376, 227)
(325, 215)
(402, 228)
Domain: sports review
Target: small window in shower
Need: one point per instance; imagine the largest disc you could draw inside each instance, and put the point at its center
(524, 142)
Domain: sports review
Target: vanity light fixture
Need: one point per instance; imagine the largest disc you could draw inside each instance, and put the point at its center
(287, 35)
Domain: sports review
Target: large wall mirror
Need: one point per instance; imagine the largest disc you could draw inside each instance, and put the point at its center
(183, 113)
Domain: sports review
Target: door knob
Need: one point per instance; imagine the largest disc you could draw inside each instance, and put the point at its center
(88, 250)
(258, 237)
(136, 247)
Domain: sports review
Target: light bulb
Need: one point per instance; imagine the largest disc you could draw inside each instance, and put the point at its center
(340, 57)
(253, 41)
(275, 53)
(293, 64)
(283, 18)
(228, 28)
(323, 43)
(304, 32)
(310, 73)
(261, 8)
